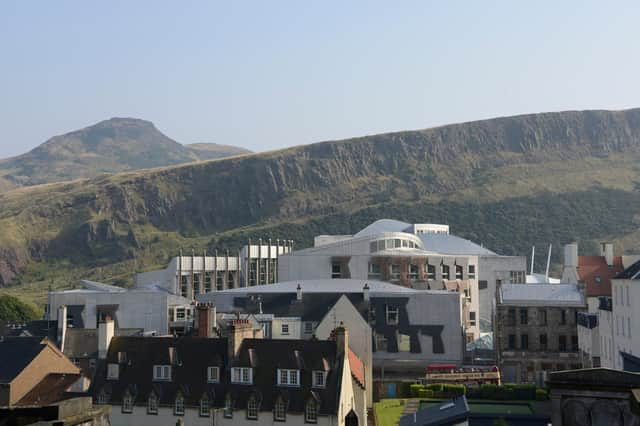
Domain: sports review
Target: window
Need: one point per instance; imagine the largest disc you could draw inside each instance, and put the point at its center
(392, 315)
(162, 372)
(413, 272)
(511, 316)
(524, 342)
(563, 317)
(374, 271)
(482, 284)
(516, 277)
(574, 343)
(562, 343)
(397, 243)
(92, 363)
(471, 271)
(127, 403)
(263, 271)
(308, 327)
(311, 411)
(336, 270)
(284, 328)
(524, 316)
(389, 244)
(178, 406)
(381, 342)
(512, 341)
(228, 407)
(113, 371)
(213, 374)
(472, 318)
(184, 285)
(543, 342)
(431, 272)
(205, 409)
(394, 272)
(252, 408)
(152, 404)
(242, 375)
(220, 280)
(319, 379)
(542, 316)
(253, 272)
(458, 272)
(373, 247)
(288, 377)
(207, 282)
(445, 272)
(102, 398)
(180, 314)
(280, 410)
(628, 300)
(196, 284)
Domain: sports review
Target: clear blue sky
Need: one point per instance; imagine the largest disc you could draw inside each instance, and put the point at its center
(269, 74)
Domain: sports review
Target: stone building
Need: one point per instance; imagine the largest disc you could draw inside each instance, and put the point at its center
(536, 330)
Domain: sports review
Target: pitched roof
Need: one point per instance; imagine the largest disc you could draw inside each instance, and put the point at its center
(448, 412)
(631, 273)
(16, 353)
(83, 342)
(51, 389)
(596, 274)
(541, 294)
(357, 368)
(595, 378)
(189, 371)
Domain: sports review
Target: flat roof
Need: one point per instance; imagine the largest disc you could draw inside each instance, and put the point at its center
(329, 286)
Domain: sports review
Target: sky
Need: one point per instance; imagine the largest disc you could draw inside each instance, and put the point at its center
(270, 74)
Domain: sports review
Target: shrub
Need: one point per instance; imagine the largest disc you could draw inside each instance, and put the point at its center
(488, 391)
(13, 309)
(435, 387)
(404, 389)
(542, 394)
(425, 393)
(415, 389)
(452, 391)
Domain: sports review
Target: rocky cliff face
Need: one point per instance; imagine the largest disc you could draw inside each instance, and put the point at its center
(100, 220)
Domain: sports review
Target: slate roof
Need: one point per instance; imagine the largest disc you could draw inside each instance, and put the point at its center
(592, 378)
(51, 389)
(594, 268)
(83, 342)
(631, 273)
(449, 412)
(16, 353)
(541, 294)
(194, 355)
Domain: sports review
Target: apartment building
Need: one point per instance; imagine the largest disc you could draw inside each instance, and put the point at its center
(188, 276)
(232, 381)
(536, 330)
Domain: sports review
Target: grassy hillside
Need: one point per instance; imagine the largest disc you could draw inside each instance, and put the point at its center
(507, 183)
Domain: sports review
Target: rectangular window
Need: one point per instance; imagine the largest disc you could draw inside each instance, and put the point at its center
(127, 404)
(213, 374)
(563, 317)
(207, 282)
(113, 371)
(308, 327)
(336, 270)
(381, 342)
(543, 342)
(178, 406)
(413, 272)
(512, 341)
(524, 342)
(542, 317)
(373, 247)
(628, 300)
(511, 316)
(319, 379)
(204, 408)
(184, 285)
(574, 343)
(458, 272)
(162, 372)
(445, 271)
(196, 284)
(242, 375)
(152, 405)
(516, 277)
(482, 284)
(374, 271)
(472, 318)
(284, 329)
(397, 243)
(471, 272)
(263, 271)
(181, 314)
(431, 272)
(524, 316)
(252, 409)
(392, 315)
(394, 272)
(220, 280)
(562, 343)
(288, 377)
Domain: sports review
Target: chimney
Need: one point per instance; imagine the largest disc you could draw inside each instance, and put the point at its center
(106, 330)
(240, 329)
(606, 251)
(299, 293)
(342, 340)
(570, 271)
(62, 326)
(365, 292)
(206, 319)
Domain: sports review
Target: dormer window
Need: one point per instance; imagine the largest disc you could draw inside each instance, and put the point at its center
(431, 272)
(458, 272)
(319, 379)
(242, 375)
(445, 272)
(113, 371)
(162, 373)
(471, 271)
(288, 377)
(213, 374)
(178, 407)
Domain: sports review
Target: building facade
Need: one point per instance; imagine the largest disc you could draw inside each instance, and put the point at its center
(536, 330)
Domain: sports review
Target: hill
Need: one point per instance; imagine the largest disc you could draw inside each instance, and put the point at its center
(115, 145)
(508, 183)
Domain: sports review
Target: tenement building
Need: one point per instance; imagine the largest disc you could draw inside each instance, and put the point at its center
(232, 381)
(419, 256)
(536, 330)
(188, 276)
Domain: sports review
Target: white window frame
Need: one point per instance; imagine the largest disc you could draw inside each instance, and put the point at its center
(152, 404)
(288, 377)
(395, 275)
(252, 408)
(228, 407)
(161, 373)
(127, 404)
(414, 275)
(113, 371)
(471, 274)
(374, 274)
(242, 375)
(392, 309)
(447, 275)
(316, 382)
(205, 408)
(308, 327)
(284, 329)
(178, 406)
(280, 410)
(311, 415)
(430, 275)
(213, 374)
